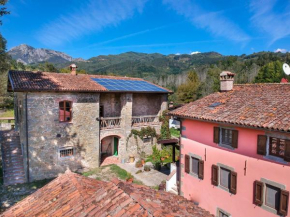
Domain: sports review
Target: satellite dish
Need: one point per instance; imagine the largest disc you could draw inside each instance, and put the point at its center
(286, 69)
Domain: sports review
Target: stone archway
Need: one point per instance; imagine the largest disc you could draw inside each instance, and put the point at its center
(110, 150)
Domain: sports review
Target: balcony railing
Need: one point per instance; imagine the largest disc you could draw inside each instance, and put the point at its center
(145, 120)
(110, 123)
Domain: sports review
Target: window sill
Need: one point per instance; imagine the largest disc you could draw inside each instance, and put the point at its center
(194, 175)
(269, 209)
(224, 188)
(276, 159)
(226, 146)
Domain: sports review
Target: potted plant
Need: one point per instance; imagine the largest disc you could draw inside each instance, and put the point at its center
(147, 168)
(138, 164)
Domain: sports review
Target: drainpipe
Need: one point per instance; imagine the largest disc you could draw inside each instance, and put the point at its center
(27, 149)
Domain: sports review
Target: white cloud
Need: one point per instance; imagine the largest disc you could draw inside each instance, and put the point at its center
(92, 17)
(194, 52)
(213, 22)
(280, 50)
(275, 23)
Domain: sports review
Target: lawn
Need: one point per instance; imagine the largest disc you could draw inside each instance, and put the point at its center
(8, 113)
(174, 132)
(107, 173)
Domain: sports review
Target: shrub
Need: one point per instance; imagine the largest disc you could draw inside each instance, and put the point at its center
(147, 168)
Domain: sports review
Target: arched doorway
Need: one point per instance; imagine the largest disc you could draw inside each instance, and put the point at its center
(109, 150)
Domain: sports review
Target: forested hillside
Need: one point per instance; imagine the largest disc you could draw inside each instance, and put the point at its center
(172, 70)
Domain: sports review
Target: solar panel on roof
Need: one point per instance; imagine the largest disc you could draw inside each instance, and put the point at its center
(128, 85)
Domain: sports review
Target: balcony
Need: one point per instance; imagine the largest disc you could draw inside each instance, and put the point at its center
(145, 120)
(110, 123)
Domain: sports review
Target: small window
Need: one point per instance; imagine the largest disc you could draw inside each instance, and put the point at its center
(226, 136)
(222, 214)
(146, 139)
(65, 111)
(225, 176)
(194, 165)
(272, 197)
(68, 152)
(277, 147)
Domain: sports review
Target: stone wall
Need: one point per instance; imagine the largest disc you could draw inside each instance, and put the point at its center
(47, 135)
(111, 103)
(148, 104)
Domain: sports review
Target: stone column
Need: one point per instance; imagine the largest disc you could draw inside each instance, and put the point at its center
(164, 104)
(126, 121)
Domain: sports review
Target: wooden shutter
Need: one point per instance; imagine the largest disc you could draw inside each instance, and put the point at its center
(200, 169)
(233, 182)
(216, 135)
(262, 145)
(258, 193)
(186, 164)
(284, 200)
(287, 151)
(235, 134)
(214, 175)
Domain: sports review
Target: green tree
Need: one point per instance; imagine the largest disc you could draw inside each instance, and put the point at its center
(188, 92)
(67, 70)
(271, 73)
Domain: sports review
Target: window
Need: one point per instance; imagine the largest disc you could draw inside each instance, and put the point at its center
(147, 139)
(226, 137)
(65, 111)
(274, 148)
(225, 177)
(277, 147)
(194, 165)
(222, 214)
(67, 152)
(271, 196)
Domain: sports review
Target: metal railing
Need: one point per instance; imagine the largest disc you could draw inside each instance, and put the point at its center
(110, 123)
(145, 120)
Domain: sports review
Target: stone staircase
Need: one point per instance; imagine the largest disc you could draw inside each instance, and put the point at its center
(12, 158)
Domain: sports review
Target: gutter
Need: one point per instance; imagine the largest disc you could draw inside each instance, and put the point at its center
(27, 149)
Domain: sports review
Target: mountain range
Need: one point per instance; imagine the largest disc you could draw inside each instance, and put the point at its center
(28, 55)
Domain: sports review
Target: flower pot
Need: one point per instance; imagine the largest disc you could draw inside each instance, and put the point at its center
(130, 180)
(143, 161)
(131, 159)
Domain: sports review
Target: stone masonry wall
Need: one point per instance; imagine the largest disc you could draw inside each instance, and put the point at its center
(147, 104)
(47, 135)
(111, 103)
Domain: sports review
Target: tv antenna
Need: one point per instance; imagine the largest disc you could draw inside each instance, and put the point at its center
(286, 69)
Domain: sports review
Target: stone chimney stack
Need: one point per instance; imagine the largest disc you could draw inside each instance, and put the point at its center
(227, 81)
(73, 69)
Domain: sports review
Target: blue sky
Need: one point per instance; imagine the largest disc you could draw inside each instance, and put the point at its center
(89, 28)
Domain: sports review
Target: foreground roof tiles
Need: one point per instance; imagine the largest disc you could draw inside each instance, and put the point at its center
(74, 195)
(21, 81)
(253, 105)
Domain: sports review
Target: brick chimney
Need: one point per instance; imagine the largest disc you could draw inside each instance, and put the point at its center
(73, 69)
(227, 81)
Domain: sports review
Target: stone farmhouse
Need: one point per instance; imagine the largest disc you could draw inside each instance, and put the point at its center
(75, 121)
(235, 145)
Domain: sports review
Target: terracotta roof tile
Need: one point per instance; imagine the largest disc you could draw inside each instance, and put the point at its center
(74, 195)
(59, 82)
(253, 105)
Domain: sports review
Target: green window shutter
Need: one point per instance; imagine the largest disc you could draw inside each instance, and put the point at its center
(262, 145)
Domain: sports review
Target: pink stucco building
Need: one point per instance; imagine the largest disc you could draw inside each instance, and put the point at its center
(235, 150)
